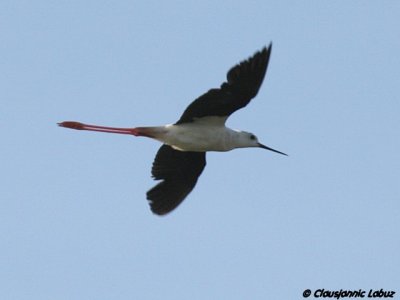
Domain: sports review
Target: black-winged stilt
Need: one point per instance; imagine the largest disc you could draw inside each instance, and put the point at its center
(201, 128)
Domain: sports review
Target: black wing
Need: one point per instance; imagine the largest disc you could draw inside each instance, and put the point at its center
(179, 172)
(243, 82)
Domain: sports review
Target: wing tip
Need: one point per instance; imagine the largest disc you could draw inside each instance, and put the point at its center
(165, 197)
(266, 50)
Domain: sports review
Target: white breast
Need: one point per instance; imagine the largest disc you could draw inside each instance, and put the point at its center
(198, 136)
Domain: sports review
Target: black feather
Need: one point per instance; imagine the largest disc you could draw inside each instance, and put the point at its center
(242, 85)
(179, 172)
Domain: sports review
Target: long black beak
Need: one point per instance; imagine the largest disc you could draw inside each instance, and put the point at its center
(270, 149)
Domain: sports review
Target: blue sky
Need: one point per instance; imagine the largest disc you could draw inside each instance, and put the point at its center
(74, 222)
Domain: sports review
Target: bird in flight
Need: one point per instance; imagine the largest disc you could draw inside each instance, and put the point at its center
(201, 128)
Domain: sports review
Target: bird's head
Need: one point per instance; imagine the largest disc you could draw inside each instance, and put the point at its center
(248, 139)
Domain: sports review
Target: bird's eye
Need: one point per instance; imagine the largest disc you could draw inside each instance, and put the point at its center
(252, 137)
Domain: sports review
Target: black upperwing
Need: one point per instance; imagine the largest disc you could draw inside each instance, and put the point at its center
(243, 82)
(179, 172)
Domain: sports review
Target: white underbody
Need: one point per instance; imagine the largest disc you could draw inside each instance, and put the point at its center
(185, 137)
(205, 134)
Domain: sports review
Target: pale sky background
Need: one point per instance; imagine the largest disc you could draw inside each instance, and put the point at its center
(74, 221)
